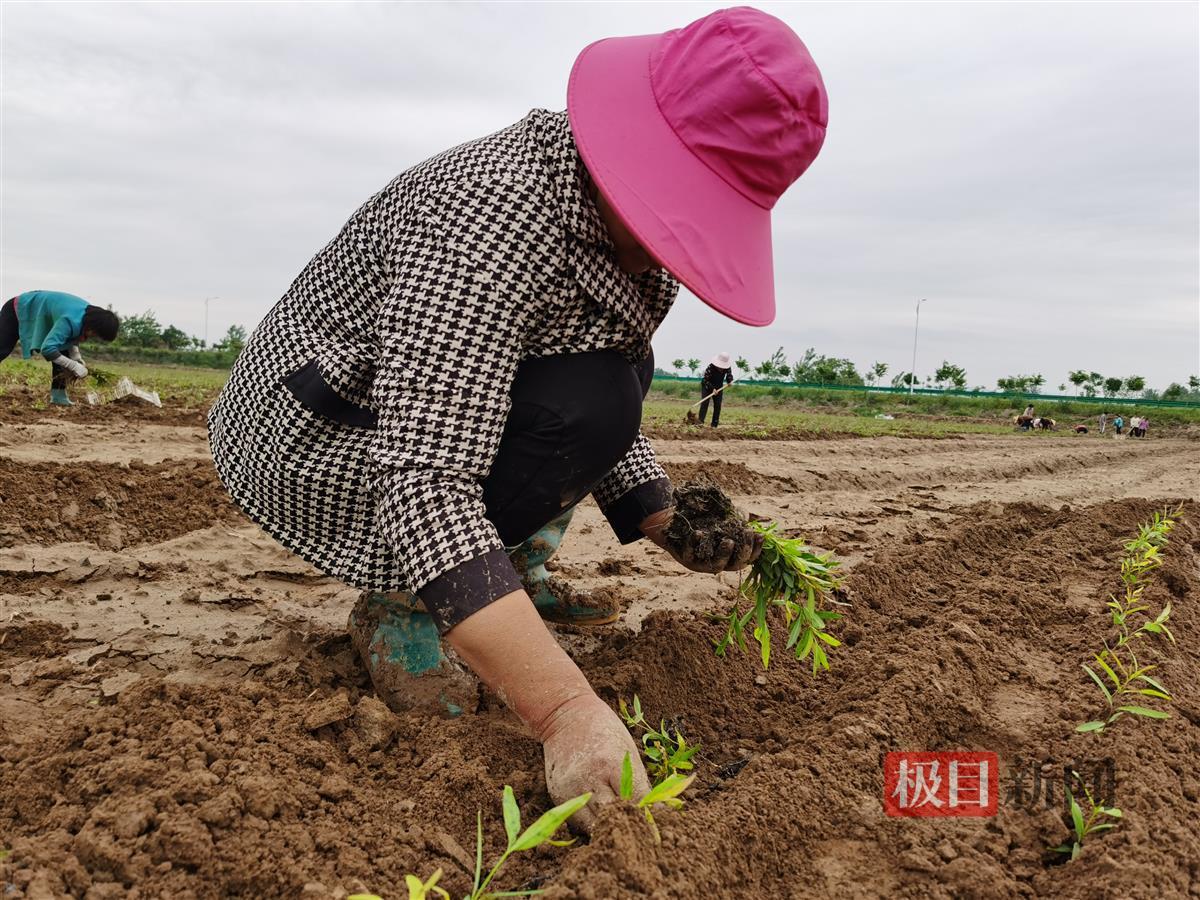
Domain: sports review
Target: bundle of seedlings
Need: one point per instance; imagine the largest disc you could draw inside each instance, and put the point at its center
(787, 580)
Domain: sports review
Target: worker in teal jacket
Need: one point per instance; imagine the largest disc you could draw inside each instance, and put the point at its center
(53, 323)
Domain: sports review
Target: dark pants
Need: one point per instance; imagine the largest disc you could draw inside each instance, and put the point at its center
(705, 390)
(573, 418)
(10, 333)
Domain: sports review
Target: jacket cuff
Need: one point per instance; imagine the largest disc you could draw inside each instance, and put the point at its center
(468, 588)
(627, 512)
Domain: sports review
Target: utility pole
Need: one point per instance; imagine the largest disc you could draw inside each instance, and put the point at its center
(206, 299)
(912, 375)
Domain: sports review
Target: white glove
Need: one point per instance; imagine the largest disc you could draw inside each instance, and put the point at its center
(79, 370)
(73, 352)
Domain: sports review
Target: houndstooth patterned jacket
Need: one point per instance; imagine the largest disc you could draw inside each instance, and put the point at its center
(419, 312)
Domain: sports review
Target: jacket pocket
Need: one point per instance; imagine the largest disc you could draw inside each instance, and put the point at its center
(308, 386)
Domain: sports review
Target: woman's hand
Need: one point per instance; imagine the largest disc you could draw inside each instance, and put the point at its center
(585, 744)
(729, 556)
(507, 645)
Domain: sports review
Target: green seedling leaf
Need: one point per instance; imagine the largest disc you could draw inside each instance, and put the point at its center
(512, 815)
(1111, 811)
(1100, 684)
(478, 851)
(1108, 671)
(417, 889)
(627, 778)
(1150, 692)
(669, 788)
(1144, 711)
(1091, 726)
(549, 822)
(1077, 818)
(1150, 681)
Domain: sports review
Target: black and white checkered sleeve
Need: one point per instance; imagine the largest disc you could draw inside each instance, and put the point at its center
(451, 342)
(637, 487)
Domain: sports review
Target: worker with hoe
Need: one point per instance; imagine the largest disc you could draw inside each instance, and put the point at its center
(466, 360)
(53, 323)
(712, 386)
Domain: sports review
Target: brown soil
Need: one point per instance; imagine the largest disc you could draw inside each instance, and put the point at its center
(733, 477)
(24, 404)
(112, 506)
(205, 731)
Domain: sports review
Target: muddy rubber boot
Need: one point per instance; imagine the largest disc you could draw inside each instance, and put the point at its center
(555, 600)
(399, 644)
(58, 396)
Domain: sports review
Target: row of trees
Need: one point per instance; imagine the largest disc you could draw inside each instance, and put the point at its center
(144, 331)
(814, 368)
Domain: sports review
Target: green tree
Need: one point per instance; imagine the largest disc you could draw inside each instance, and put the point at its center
(1112, 386)
(775, 365)
(235, 339)
(679, 364)
(1078, 378)
(742, 363)
(175, 338)
(140, 331)
(1194, 382)
(1174, 391)
(949, 374)
(904, 379)
(818, 369)
(1021, 384)
(1135, 384)
(694, 365)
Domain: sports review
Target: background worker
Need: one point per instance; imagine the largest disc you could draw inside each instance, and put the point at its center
(718, 374)
(53, 323)
(466, 360)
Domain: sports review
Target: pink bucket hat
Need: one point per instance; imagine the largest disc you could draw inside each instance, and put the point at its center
(692, 136)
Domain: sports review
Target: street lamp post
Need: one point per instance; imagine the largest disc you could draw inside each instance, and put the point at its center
(912, 375)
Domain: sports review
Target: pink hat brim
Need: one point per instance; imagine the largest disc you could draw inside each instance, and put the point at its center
(710, 237)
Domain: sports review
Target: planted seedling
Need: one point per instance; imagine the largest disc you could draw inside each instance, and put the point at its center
(666, 755)
(666, 791)
(1084, 825)
(787, 576)
(540, 832)
(1127, 678)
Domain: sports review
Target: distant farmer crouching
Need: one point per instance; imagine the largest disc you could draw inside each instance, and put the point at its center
(53, 323)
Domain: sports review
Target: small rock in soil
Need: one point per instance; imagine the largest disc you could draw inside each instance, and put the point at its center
(332, 709)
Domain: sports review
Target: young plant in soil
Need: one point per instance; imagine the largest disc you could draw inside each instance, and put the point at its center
(540, 832)
(666, 755)
(787, 576)
(666, 791)
(1084, 825)
(1129, 679)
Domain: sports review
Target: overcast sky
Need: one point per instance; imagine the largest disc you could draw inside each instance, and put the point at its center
(1033, 169)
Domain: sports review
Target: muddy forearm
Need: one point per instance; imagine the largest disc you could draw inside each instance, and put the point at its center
(508, 646)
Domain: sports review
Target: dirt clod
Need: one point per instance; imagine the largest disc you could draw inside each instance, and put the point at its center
(705, 518)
